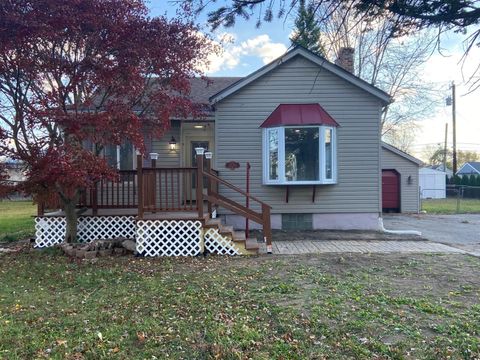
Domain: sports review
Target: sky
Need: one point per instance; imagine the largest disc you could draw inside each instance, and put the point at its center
(247, 48)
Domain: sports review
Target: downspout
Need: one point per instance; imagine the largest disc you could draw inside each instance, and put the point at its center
(398, 232)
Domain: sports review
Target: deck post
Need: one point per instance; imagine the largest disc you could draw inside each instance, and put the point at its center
(140, 185)
(154, 157)
(267, 228)
(41, 208)
(94, 199)
(199, 194)
(208, 160)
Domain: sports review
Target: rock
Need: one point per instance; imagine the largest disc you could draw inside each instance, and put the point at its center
(70, 251)
(119, 251)
(130, 245)
(90, 255)
(104, 253)
(80, 253)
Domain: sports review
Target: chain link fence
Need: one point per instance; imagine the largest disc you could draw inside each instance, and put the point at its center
(459, 199)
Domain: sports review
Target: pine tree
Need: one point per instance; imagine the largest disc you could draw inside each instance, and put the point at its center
(307, 31)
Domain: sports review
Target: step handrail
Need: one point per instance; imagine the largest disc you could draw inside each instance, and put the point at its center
(233, 187)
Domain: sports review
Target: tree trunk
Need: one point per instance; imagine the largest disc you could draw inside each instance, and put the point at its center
(71, 219)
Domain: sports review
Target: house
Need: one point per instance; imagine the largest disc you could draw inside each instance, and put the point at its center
(469, 168)
(433, 183)
(15, 171)
(400, 180)
(304, 132)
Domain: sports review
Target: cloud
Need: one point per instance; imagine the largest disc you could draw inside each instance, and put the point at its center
(231, 55)
(263, 47)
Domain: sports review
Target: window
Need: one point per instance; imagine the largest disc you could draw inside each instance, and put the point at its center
(120, 156)
(299, 155)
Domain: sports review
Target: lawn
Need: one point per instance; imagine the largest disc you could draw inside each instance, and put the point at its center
(16, 220)
(449, 206)
(267, 307)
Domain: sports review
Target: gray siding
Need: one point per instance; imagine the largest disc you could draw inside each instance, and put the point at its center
(408, 192)
(239, 138)
(166, 158)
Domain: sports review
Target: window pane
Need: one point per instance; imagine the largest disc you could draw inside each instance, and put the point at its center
(328, 154)
(126, 156)
(273, 154)
(111, 155)
(301, 154)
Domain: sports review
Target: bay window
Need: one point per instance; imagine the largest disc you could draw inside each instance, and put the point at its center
(299, 155)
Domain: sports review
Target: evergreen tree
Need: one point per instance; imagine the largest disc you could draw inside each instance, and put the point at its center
(307, 31)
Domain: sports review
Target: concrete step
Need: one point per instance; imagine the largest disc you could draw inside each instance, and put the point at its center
(213, 222)
(239, 236)
(252, 244)
(225, 229)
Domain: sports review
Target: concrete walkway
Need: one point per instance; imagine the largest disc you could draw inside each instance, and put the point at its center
(340, 246)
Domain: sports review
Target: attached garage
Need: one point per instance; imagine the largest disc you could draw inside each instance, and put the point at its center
(400, 180)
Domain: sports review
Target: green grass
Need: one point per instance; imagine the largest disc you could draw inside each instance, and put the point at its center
(296, 307)
(449, 206)
(16, 220)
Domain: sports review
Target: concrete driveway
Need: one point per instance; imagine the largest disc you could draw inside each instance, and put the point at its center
(461, 231)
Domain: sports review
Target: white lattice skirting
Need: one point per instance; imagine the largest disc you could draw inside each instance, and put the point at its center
(50, 230)
(153, 237)
(169, 237)
(216, 243)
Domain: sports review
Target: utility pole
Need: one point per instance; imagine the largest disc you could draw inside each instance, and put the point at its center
(454, 123)
(445, 149)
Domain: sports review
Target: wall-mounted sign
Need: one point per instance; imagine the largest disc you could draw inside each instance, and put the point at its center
(232, 165)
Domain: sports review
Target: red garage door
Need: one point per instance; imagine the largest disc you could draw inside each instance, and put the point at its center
(390, 190)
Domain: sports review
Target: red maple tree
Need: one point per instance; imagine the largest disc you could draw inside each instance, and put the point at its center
(73, 71)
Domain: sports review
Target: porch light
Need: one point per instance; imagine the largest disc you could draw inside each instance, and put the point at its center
(208, 155)
(198, 126)
(199, 150)
(153, 156)
(173, 144)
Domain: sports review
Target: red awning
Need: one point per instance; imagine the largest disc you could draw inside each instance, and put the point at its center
(299, 114)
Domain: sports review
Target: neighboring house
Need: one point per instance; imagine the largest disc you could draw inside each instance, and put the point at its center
(433, 183)
(15, 171)
(469, 168)
(308, 129)
(400, 180)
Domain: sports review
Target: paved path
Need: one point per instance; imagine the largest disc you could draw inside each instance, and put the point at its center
(460, 231)
(340, 246)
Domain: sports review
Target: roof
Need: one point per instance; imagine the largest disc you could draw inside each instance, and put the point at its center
(430, 170)
(438, 167)
(298, 114)
(473, 167)
(401, 153)
(202, 90)
(320, 61)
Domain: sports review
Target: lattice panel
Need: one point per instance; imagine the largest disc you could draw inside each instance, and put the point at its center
(105, 227)
(218, 244)
(169, 237)
(49, 231)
